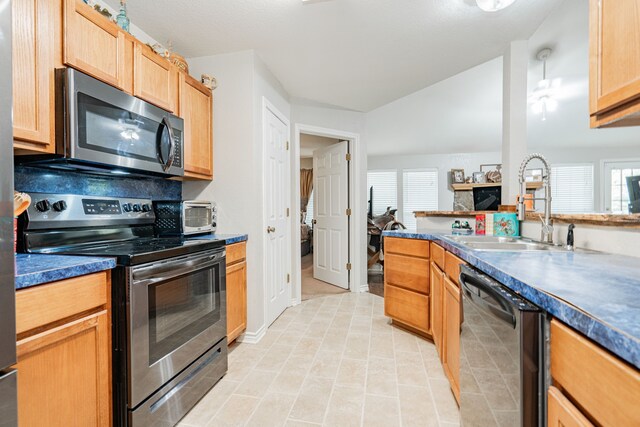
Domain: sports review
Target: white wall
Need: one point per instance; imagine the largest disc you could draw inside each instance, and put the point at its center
(238, 159)
(306, 163)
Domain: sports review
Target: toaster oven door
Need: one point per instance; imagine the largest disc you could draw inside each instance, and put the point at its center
(198, 217)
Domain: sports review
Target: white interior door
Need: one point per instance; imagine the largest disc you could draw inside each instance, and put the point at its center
(331, 223)
(277, 228)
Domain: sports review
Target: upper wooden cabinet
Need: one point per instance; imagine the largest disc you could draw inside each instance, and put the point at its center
(614, 62)
(96, 46)
(36, 53)
(196, 108)
(154, 78)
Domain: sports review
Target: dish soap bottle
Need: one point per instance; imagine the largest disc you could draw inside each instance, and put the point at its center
(122, 19)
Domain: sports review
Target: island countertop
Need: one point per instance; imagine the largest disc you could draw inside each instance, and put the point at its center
(595, 293)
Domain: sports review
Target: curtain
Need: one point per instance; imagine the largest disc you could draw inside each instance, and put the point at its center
(306, 186)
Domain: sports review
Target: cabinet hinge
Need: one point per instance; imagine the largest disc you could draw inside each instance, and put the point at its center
(348, 266)
(348, 157)
(288, 277)
(287, 212)
(348, 211)
(287, 145)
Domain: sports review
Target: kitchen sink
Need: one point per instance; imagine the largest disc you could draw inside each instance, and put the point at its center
(498, 243)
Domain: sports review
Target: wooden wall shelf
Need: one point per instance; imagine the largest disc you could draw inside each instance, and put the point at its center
(463, 187)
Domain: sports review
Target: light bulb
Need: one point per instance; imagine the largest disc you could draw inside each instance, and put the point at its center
(493, 5)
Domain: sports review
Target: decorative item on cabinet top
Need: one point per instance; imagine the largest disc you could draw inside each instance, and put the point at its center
(209, 81)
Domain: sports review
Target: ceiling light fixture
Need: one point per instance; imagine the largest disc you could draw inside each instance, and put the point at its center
(493, 5)
(543, 97)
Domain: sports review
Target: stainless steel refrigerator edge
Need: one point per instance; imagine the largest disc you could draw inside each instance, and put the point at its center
(8, 386)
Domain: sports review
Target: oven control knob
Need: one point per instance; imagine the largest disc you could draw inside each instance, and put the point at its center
(43, 205)
(136, 208)
(146, 208)
(126, 207)
(60, 206)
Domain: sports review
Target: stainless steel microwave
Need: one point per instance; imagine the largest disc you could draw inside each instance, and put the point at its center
(175, 218)
(106, 130)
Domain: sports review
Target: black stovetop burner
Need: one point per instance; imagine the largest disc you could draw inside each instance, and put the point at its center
(144, 250)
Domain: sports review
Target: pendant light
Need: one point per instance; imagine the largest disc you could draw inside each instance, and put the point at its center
(493, 5)
(542, 98)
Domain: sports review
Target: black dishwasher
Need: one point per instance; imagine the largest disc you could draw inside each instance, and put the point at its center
(501, 355)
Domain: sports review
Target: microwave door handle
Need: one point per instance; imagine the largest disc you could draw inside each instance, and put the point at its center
(467, 281)
(167, 125)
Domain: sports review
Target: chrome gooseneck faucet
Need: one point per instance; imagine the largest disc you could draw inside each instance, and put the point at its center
(547, 224)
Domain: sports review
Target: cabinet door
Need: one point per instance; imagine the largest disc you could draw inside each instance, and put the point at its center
(614, 44)
(64, 375)
(437, 293)
(155, 79)
(562, 413)
(196, 110)
(94, 45)
(407, 307)
(236, 300)
(35, 56)
(451, 335)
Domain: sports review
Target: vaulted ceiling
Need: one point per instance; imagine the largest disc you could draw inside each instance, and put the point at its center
(355, 54)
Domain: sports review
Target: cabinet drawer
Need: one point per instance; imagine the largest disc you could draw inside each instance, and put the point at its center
(437, 255)
(562, 413)
(412, 247)
(41, 305)
(408, 307)
(236, 252)
(452, 266)
(606, 388)
(407, 272)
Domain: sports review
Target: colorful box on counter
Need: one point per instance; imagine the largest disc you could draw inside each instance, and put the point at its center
(488, 224)
(506, 224)
(480, 224)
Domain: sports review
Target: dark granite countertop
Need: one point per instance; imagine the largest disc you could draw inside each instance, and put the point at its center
(228, 238)
(596, 293)
(36, 269)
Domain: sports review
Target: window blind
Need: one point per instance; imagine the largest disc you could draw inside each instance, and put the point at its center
(572, 188)
(420, 193)
(385, 189)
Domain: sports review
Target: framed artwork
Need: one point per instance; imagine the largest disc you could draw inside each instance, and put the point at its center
(457, 176)
(479, 178)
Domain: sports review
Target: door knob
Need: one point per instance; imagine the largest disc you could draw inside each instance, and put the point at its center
(271, 229)
(314, 222)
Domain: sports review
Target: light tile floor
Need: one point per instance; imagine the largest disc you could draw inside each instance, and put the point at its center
(332, 361)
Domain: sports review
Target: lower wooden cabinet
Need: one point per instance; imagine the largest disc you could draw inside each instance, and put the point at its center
(562, 413)
(437, 299)
(236, 290)
(605, 388)
(406, 283)
(451, 335)
(64, 353)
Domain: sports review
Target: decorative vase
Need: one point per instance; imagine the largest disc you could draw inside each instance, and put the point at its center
(122, 19)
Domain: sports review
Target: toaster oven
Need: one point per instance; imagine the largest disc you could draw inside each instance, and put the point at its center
(176, 218)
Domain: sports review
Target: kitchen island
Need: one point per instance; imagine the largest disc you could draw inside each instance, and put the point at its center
(593, 292)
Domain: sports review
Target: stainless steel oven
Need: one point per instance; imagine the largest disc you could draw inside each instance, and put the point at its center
(176, 315)
(106, 130)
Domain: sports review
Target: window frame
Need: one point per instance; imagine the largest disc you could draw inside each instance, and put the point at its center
(395, 171)
(437, 190)
(607, 166)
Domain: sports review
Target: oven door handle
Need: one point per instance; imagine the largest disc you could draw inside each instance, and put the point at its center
(154, 274)
(469, 280)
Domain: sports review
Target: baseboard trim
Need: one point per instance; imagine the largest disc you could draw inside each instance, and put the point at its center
(253, 337)
(364, 288)
(294, 302)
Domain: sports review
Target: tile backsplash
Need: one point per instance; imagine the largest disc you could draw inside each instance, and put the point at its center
(38, 180)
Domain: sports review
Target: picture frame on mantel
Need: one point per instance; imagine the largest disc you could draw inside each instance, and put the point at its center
(457, 176)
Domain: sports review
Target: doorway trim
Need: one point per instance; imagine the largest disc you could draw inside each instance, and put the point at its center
(357, 235)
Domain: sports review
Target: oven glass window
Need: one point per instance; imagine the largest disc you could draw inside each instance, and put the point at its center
(197, 217)
(180, 309)
(109, 129)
